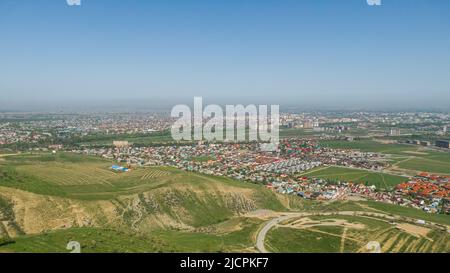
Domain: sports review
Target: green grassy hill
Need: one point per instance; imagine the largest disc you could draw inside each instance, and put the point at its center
(48, 200)
(89, 178)
(45, 193)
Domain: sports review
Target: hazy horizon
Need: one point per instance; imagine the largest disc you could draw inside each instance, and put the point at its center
(165, 105)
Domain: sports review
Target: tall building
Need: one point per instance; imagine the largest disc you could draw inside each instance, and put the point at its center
(395, 132)
(308, 125)
(425, 143)
(121, 144)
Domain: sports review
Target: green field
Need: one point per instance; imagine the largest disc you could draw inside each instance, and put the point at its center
(137, 139)
(380, 180)
(389, 209)
(294, 133)
(300, 132)
(327, 234)
(373, 206)
(369, 146)
(407, 157)
(409, 212)
(288, 240)
(82, 177)
(426, 165)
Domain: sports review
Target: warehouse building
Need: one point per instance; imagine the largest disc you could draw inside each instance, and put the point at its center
(443, 144)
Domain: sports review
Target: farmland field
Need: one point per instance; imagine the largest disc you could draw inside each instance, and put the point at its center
(380, 180)
(368, 146)
(426, 164)
(148, 139)
(301, 132)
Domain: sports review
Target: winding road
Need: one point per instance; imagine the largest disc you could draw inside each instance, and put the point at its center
(260, 239)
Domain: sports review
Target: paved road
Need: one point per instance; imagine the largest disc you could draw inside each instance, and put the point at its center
(5, 155)
(268, 226)
(261, 238)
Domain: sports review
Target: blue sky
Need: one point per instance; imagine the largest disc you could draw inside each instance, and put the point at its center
(338, 53)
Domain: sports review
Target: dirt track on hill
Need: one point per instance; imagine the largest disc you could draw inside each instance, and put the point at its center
(262, 233)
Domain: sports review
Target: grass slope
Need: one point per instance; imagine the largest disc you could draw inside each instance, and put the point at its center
(88, 178)
(335, 239)
(95, 240)
(358, 176)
